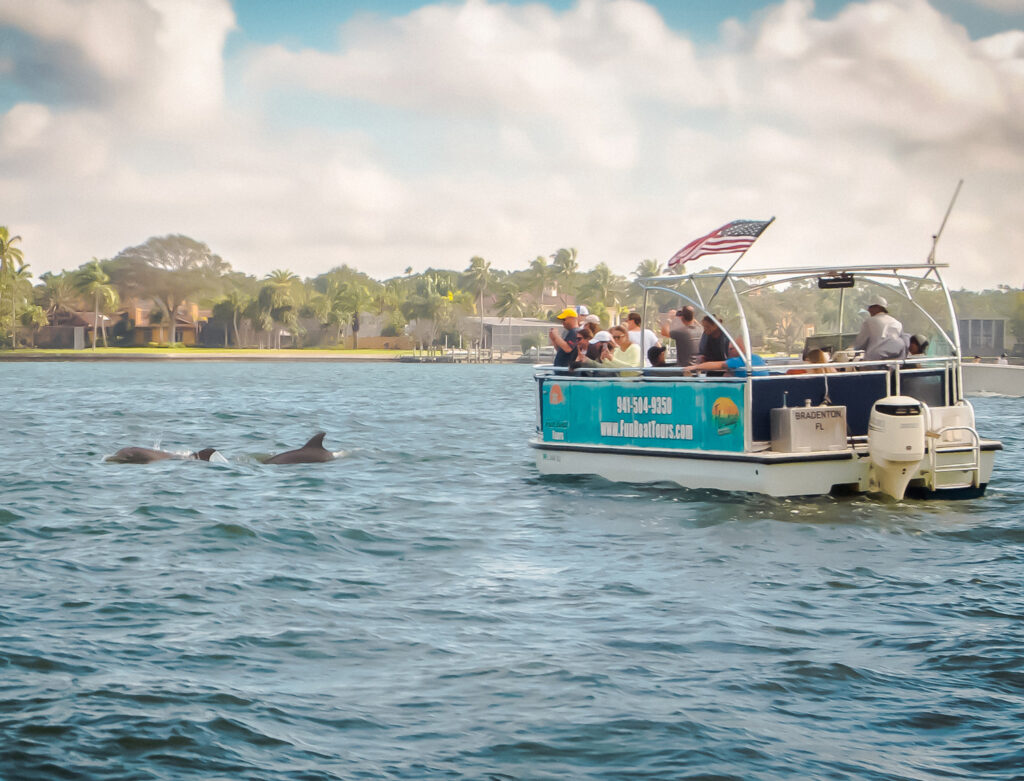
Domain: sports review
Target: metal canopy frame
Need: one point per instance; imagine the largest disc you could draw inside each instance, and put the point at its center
(897, 275)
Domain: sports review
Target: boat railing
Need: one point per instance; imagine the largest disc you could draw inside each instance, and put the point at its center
(792, 368)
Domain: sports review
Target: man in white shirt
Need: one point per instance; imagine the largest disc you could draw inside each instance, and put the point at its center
(881, 336)
(637, 334)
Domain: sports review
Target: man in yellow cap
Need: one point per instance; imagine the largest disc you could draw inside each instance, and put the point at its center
(565, 343)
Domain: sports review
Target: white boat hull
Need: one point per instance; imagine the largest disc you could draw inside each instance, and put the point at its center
(993, 379)
(778, 475)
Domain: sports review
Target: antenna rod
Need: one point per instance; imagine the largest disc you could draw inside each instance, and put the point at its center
(935, 238)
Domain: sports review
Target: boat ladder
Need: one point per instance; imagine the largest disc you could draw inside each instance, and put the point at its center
(954, 458)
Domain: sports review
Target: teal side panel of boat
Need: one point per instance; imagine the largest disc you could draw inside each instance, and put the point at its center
(691, 416)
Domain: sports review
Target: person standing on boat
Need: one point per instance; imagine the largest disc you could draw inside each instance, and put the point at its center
(714, 344)
(643, 338)
(881, 336)
(687, 333)
(565, 343)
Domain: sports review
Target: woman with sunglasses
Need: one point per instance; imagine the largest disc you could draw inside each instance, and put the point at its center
(620, 353)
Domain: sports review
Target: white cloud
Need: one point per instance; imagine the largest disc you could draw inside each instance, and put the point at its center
(157, 62)
(577, 70)
(509, 131)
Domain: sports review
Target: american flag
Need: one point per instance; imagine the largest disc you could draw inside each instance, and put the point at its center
(737, 236)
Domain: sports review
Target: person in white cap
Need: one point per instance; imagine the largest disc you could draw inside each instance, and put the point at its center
(600, 335)
(881, 336)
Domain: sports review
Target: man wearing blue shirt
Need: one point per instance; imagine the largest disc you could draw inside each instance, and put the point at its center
(565, 343)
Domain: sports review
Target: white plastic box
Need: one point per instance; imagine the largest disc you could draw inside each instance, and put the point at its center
(807, 429)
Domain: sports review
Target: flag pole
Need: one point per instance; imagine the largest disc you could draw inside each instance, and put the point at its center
(729, 270)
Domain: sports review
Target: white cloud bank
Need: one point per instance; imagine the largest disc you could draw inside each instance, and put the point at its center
(509, 131)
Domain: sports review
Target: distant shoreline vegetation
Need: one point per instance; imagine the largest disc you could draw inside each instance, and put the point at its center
(179, 353)
(174, 290)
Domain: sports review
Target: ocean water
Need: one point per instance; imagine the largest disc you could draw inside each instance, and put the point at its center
(427, 606)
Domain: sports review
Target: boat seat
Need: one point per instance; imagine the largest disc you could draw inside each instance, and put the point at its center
(959, 419)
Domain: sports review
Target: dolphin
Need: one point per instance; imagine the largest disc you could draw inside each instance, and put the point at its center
(313, 452)
(145, 455)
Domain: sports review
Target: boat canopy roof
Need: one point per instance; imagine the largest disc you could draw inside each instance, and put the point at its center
(892, 270)
(898, 278)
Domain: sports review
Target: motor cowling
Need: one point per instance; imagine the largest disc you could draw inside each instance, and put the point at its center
(896, 443)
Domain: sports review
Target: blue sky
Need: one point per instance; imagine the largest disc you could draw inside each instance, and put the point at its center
(314, 23)
(304, 135)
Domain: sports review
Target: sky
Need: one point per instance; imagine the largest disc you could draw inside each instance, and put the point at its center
(395, 134)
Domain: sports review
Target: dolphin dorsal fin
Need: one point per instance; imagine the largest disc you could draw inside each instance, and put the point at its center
(317, 441)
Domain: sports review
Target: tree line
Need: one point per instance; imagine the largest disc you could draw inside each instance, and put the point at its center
(435, 306)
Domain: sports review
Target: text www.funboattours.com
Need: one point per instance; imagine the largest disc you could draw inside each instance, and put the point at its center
(647, 430)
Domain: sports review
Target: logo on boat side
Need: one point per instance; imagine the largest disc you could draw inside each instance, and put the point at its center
(726, 415)
(555, 395)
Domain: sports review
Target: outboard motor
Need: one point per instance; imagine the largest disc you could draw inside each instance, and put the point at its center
(896, 443)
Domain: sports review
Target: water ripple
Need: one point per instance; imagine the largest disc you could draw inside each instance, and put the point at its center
(428, 607)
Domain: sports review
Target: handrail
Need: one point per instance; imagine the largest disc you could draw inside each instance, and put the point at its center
(937, 446)
(842, 367)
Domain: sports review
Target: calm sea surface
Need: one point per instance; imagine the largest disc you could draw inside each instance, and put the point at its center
(427, 607)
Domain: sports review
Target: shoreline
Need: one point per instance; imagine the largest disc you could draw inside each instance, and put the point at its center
(298, 356)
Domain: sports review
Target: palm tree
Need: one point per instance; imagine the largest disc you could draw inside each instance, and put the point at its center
(8, 255)
(644, 269)
(356, 299)
(647, 268)
(429, 303)
(510, 302)
(603, 286)
(565, 266)
(338, 312)
(277, 299)
(258, 314)
(19, 280)
(231, 307)
(281, 277)
(34, 317)
(477, 276)
(542, 275)
(58, 293)
(387, 303)
(93, 280)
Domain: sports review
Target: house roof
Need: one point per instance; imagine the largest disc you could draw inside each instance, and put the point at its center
(86, 319)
